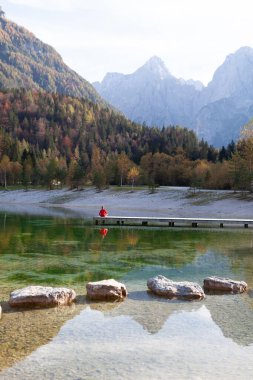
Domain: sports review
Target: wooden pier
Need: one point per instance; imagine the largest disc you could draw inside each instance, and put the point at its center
(171, 222)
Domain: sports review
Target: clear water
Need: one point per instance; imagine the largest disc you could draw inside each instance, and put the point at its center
(143, 337)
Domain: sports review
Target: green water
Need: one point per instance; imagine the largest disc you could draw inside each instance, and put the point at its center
(147, 331)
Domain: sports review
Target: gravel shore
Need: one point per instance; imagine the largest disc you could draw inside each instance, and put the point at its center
(165, 201)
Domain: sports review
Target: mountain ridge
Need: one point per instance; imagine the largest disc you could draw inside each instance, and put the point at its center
(27, 62)
(169, 100)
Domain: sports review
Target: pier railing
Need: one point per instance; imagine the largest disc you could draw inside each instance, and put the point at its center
(171, 222)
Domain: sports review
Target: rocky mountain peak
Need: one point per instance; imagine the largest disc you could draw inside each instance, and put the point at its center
(234, 77)
(155, 67)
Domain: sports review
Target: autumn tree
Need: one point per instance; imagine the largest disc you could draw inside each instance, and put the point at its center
(123, 165)
(133, 174)
(97, 169)
(147, 169)
(239, 173)
(200, 174)
(75, 176)
(27, 171)
(242, 160)
(51, 172)
(15, 171)
(5, 169)
(61, 170)
(218, 176)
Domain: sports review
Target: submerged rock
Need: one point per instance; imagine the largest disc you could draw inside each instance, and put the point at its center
(164, 287)
(106, 290)
(220, 284)
(42, 296)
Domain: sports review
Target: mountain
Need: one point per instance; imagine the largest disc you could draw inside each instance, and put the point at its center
(152, 95)
(27, 62)
(228, 99)
(234, 78)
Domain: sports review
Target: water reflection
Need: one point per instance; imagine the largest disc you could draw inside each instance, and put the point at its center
(62, 251)
(108, 346)
(103, 232)
(231, 313)
(22, 331)
(156, 332)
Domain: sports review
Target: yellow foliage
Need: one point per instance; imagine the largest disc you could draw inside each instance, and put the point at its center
(247, 130)
(133, 174)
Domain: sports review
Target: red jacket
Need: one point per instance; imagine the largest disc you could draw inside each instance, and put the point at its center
(103, 213)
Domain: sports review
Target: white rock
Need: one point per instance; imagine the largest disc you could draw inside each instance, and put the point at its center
(224, 285)
(0, 312)
(165, 287)
(42, 296)
(106, 290)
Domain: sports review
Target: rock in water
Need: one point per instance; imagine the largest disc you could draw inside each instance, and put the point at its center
(42, 296)
(164, 287)
(106, 290)
(224, 285)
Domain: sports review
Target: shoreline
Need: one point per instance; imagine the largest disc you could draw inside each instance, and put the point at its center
(165, 201)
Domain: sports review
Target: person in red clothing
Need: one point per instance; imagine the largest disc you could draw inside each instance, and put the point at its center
(103, 212)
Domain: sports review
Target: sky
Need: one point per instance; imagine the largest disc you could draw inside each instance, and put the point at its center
(192, 37)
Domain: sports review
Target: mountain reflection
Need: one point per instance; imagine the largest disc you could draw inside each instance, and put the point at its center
(98, 345)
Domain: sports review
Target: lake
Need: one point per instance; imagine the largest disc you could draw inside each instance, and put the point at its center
(143, 337)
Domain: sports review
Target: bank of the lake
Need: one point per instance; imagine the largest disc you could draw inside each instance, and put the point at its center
(164, 201)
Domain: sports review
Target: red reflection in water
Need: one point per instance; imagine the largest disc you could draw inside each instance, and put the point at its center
(103, 232)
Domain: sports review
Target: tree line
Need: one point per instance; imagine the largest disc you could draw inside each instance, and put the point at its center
(50, 139)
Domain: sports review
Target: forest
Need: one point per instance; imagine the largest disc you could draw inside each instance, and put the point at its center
(48, 139)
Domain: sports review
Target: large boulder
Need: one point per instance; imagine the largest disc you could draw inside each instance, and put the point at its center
(221, 284)
(164, 287)
(106, 290)
(42, 296)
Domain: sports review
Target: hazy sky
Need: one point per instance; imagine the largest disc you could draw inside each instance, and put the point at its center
(192, 37)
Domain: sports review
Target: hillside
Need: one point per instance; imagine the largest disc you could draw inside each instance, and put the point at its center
(65, 125)
(27, 62)
(46, 137)
(216, 113)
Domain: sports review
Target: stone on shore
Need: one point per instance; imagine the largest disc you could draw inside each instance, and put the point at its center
(165, 287)
(106, 290)
(220, 284)
(0, 312)
(41, 296)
